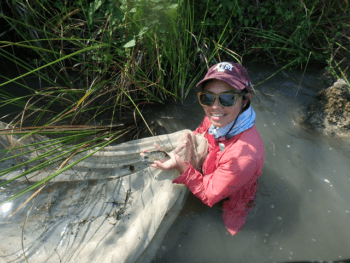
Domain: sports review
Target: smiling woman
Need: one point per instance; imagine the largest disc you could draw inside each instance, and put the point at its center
(235, 149)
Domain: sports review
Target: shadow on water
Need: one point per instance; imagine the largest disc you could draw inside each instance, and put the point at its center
(302, 207)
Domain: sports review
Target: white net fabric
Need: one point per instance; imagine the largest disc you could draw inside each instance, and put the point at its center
(195, 148)
(110, 207)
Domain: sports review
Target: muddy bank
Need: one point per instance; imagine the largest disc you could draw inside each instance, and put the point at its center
(331, 113)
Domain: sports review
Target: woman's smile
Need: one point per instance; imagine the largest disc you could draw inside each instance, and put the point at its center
(217, 117)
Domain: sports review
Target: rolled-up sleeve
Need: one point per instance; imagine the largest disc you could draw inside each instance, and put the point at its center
(228, 178)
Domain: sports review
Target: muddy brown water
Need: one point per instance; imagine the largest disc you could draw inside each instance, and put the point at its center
(302, 211)
(303, 202)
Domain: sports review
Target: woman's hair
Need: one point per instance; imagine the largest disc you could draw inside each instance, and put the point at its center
(242, 92)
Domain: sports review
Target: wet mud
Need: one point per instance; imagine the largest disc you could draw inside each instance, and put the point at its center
(331, 113)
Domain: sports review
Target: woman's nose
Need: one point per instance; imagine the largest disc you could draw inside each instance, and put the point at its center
(216, 104)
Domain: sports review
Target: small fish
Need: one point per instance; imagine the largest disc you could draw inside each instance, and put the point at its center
(155, 156)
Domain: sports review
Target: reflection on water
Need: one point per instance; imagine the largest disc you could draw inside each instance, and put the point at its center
(5, 208)
(302, 208)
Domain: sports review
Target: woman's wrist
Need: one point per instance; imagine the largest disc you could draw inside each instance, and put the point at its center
(182, 167)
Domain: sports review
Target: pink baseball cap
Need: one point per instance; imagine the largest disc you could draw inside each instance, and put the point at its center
(233, 74)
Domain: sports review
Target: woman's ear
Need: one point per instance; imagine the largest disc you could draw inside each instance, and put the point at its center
(246, 99)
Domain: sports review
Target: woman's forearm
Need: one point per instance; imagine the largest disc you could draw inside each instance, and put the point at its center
(182, 167)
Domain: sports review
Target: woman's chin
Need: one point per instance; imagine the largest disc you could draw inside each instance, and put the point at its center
(217, 123)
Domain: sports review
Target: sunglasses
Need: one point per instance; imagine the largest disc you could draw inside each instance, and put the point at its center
(225, 99)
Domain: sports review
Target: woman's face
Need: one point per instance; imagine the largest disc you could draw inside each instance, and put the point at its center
(218, 115)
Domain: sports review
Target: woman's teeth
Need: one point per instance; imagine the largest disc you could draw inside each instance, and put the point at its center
(218, 115)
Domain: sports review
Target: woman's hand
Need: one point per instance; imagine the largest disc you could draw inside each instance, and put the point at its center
(175, 161)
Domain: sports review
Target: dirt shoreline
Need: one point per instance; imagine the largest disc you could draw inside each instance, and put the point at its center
(330, 115)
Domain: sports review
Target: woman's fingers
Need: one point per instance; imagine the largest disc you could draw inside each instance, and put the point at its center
(144, 152)
(158, 165)
(154, 165)
(168, 164)
(164, 164)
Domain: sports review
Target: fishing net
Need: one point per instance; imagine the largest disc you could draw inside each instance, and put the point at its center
(109, 207)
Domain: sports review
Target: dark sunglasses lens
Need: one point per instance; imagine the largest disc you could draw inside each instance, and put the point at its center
(227, 100)
(206, 99)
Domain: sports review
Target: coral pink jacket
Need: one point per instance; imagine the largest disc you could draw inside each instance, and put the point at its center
(230, 173)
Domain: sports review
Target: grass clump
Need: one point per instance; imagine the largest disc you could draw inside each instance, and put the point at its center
(302, 32)
(99, 64)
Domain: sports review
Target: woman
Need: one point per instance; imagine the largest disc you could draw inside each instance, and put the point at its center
(236, 152)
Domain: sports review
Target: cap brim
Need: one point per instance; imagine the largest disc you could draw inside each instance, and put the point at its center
(203, 80)
(232, 82)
